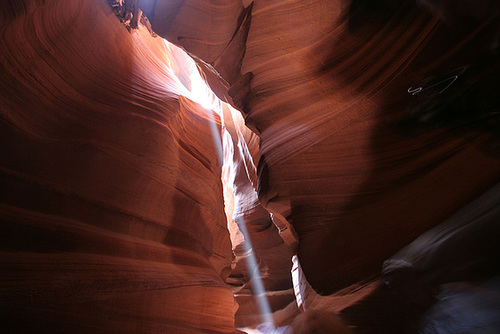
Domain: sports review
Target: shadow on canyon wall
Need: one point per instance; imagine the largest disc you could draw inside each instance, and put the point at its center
(446, 97)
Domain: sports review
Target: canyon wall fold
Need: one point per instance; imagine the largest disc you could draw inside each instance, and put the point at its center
(112, 216)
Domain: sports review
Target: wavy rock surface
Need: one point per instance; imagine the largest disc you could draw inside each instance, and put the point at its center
(111, 194)
(324, 84)
(112, 216)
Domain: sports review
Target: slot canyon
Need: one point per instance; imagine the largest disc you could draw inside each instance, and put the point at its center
(238, 166)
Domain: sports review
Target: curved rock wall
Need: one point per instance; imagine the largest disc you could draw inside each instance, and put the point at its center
(112, 216)
(111, 198)
(325, 84)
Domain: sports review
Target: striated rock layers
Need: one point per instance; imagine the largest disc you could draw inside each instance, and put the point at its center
(368, 123)
(112, 216)
(326, 85)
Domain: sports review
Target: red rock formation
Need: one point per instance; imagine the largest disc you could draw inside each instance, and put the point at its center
(112, 201)
(111, 197)
(324, 84)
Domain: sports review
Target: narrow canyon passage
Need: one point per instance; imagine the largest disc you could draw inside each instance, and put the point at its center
(112, 199)
(152, 185)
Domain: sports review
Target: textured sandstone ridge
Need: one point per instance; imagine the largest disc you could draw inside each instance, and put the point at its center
(112, 216)
(112, 205)
(324, 84)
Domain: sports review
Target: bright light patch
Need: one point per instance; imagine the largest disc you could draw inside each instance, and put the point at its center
(202, 93)
(264, 329)
(186, 71)
(298, 279)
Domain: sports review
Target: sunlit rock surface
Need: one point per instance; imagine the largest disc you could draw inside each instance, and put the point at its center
(325, 84)
(112, 203)
(112, 216)
(261, 277)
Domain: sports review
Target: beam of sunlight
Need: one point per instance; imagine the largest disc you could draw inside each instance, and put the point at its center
(256, 279)
(198, 90)
(259, 292)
